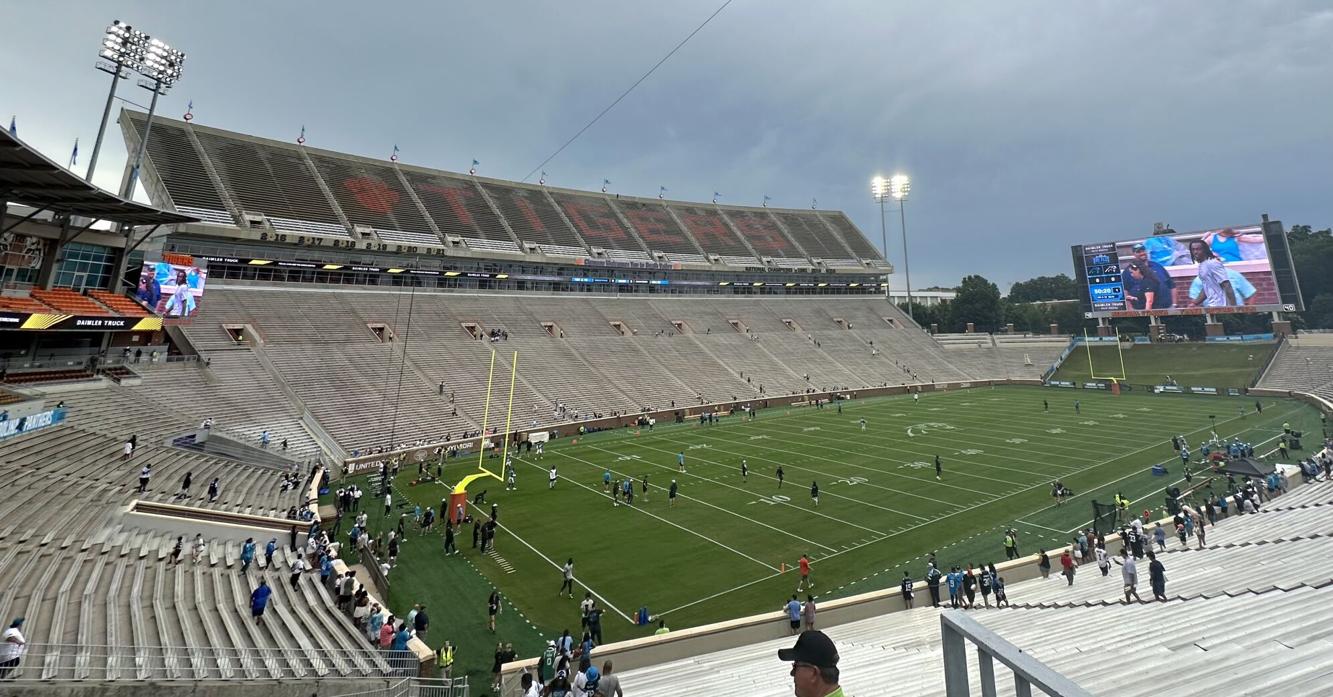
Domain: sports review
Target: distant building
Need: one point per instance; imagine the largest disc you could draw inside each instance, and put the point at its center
(928, 297)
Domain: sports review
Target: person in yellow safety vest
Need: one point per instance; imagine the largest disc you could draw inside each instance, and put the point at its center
(445, 659)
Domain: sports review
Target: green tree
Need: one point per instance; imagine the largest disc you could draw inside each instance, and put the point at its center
(1058, 287)
(1319, 311)
(926, 315)
(978, 302)
(1312, 254)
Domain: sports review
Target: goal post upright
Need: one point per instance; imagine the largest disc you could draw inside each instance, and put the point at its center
(1115, 380)
(509, 411)
(485, 415)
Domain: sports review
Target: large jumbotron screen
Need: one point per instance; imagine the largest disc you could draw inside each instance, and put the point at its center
(171, 290)
(1225, 270)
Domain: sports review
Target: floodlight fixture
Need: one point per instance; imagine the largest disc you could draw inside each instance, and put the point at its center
(879, 187)
(899, 186)
(126, 50)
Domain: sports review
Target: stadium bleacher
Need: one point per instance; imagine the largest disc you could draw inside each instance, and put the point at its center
(1303, 364)
(1241, 614)
(581, 360)
(223, 176)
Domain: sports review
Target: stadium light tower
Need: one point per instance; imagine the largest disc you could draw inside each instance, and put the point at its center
(879, 187)
(899, 186)
(161, 68)
(123, 47)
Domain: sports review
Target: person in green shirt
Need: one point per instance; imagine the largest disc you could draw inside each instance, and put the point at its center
(546, 666)
(661, 627)
(814, 665)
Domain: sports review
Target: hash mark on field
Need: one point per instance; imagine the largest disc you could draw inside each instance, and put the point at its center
(504, 564)
(811, 428)
(758, 437)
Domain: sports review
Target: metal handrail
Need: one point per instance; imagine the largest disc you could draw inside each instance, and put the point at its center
(956, 629)
(70, 662)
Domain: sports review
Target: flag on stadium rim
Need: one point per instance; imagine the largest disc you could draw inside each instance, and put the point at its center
(767, 198)
(605, 183)
(716, 196)
(394, 156)
(813, 202)
(542, 181)
(473, 169)
(74, 156)
(13, 127)
(189, 111)
(661, 192)
(300, 140)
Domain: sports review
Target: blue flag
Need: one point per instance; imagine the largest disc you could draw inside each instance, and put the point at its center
(13, 127)
(74, 156)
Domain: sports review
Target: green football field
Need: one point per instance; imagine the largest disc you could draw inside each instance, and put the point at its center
(721, 550)
(1189, 364)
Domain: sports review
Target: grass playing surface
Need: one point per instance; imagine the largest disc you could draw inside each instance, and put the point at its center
(718, 553)
(1190, 364)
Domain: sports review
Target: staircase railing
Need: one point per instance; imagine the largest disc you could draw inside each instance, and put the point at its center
(82, 662)
(957, 629)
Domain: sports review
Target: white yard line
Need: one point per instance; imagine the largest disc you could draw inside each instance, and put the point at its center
(806, 456)
(594, 465)
(946, 516)
(770, 477)
(1024, 522)
(664, 520)
(558, 567)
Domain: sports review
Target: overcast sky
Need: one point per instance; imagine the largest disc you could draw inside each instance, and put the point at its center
(1026, 127)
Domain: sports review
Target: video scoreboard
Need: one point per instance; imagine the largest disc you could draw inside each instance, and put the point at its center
(1101, 267)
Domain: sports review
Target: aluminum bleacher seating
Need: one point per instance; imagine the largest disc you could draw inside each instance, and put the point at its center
(534, 218)
(1200, 641)
(1304, 364)
(271, 178)
(810, 232)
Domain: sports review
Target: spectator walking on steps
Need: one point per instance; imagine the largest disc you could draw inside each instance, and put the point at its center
(12, 646)
(1067, 566)
(259, 601)
(1129, 574)
(1157, 577)
(298, 567)
(247, 554)
(144, 475)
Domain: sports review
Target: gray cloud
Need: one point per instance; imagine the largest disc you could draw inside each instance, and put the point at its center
(1026, 126)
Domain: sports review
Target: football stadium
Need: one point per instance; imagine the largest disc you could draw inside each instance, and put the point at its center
(283, 419)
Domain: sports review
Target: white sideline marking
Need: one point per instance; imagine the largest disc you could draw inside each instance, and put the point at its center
(550, 561)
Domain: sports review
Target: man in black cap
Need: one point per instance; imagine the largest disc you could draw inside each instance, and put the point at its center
(814, 665)
(1157, 279)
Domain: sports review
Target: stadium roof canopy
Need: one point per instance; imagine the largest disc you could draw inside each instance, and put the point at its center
(29, 178)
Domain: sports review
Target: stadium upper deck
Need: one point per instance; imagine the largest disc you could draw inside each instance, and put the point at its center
(270, 191)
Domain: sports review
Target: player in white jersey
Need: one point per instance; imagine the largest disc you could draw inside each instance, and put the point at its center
(550, 481)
